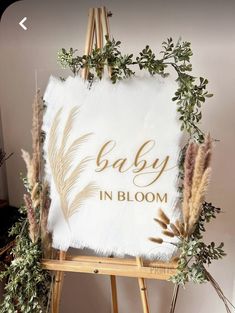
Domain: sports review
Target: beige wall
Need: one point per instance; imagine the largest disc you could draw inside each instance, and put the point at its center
(209, 25)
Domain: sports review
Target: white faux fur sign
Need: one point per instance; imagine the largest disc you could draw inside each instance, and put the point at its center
(111, 159)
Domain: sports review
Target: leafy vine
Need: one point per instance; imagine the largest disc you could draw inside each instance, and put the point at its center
(189, 96)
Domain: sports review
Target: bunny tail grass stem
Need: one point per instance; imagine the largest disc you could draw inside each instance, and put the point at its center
(174, 298)
(163, 217)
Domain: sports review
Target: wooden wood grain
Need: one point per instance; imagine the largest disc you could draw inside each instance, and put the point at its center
(123, 261)
(114, 294)
(57, 286)
(142, 288)
(89, 38)
(103, 268)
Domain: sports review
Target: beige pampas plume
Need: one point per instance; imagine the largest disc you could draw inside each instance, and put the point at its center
(37, 209)
(60, 159)
(198, 170)
(197, 173)
(33, 164)
(29, 167)
(208, 151)
(33, 226)
(36, 134)
(199, 199)
(189, 163)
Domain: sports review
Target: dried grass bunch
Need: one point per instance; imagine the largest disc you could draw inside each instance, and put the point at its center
(194, 254)
(37, 201)
(197, 171)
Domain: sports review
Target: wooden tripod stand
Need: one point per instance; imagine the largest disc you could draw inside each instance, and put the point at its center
(98, 29)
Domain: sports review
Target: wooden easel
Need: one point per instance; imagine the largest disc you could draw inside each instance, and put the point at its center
(98, 28)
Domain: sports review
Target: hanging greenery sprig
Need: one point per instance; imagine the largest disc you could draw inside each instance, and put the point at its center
(189, 96)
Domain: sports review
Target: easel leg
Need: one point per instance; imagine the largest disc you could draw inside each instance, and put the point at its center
(114, 294)
(143, 289)
(57, 288)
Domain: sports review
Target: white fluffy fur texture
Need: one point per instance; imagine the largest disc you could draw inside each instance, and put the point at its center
(129, 112)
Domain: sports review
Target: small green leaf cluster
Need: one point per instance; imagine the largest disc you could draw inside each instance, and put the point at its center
(195, 254)
(209, 212)
(189, 96)
(28, 285)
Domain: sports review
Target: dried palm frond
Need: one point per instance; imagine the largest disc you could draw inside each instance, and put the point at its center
(60, 159)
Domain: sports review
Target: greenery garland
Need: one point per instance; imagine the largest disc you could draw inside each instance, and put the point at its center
(190, 94)
(195, 254)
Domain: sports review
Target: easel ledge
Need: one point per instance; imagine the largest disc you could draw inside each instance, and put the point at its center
(112, 266)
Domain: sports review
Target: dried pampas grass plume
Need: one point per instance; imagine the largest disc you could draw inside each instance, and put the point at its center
(33, 164)
(197, 174)
(29, 167)
(60, 160)
(37, 200)
(196, 206)
(188, 178)
(33, 225)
